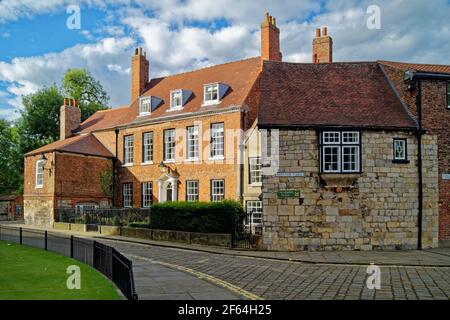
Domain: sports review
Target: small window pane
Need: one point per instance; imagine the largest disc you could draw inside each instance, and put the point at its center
(254, 209)
(331, 159)
(217, 140)
(217, 190)
(211, 92)
(399, 149)
(192, 190)
(255, 170)
(169, 144)
(128, 150)
(39, 173)
(350, 137)
(350, 159)
(192, 142)
(147, 147)
(127, 195)
(147, 194)
(331, 137)
(145, 105)
(176, 99)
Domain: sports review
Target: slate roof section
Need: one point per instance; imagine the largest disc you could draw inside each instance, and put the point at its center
(353, 94)
(86, 144)
(427, 68)
(239, 75)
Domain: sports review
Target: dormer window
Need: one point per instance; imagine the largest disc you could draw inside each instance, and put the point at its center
(176, 99)
(145, 105)
(211, 93)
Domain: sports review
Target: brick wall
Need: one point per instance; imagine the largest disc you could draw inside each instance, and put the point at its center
(379, 212)
(436, 120)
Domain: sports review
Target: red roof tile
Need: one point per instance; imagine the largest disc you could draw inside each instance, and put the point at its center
(431, 68)
(239, 75)
(83, 144)
(337, 94)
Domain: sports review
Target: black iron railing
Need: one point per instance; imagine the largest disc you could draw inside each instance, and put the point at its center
(104, 258)
(103, 216)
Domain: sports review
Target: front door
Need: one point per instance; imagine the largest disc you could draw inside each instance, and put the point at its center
(169, 192)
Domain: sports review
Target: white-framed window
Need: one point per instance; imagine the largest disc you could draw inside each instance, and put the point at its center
(147, 194)
(211, 93)
(40, 173)
(192, 190)
(340, 151)
(217, 141)
(400, 152)
(254, 210)
(128, 149)
(127, 195)
(255, 170)
(145, 105)
(192, 142)
(169, 145)
(176, 99)
(147, 147)
(217, 190)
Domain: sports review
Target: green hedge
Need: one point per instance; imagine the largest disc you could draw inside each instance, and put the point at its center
(205, 217)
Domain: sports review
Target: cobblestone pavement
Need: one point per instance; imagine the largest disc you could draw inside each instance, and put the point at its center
(271, 279)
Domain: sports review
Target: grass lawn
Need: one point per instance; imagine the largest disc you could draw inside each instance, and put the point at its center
(33, 274)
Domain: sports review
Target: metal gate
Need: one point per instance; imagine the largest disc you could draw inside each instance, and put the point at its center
(241, 236)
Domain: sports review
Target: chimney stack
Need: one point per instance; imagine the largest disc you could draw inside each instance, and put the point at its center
(322, 47)
(139, 73)
(69, 118)
(270, 39)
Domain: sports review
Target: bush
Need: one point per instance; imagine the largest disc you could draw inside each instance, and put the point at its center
(204, 217)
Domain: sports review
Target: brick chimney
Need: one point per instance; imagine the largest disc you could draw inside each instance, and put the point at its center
(270, 39)
(322, 47)
(69, 118)
(139, 73)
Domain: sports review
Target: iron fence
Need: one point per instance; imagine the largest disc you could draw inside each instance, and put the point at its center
(102, 216)
(104, 258)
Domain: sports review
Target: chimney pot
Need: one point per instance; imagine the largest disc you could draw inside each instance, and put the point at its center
(325, 31)
(322, 47)
(318, 33)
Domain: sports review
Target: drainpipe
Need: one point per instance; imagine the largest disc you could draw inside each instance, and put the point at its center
(241, 165)
(114, 160)
(419, 162)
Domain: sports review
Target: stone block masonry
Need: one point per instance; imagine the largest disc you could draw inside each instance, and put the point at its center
(378, 211)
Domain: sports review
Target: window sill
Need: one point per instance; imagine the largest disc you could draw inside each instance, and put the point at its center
(401, 161)
(175, 109)
(216, 158)
(146, 163)
(256, 184)
(210, 103)
(143, 114)
(38, 187)
(169, 161)
(126, 165)
(192, 160)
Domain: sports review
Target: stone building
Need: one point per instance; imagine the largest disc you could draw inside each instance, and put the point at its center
(324, 155)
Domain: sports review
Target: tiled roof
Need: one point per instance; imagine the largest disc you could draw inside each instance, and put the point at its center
(338, 94)
(239, 75)
(430, 68)
(85, 144)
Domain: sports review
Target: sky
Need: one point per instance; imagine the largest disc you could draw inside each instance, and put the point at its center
(37, 45)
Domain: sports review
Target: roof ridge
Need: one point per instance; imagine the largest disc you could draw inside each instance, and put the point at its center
(205, 68)
(414, 63)
(318, 64)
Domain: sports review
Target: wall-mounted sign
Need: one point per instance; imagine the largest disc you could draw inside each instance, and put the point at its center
(285, 194)
(446, 176)
(290, 174)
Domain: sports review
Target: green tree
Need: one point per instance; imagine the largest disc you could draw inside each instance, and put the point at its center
(10, 159)
(80, 85)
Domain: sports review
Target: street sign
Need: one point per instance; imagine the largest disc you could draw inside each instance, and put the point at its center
(285, 194)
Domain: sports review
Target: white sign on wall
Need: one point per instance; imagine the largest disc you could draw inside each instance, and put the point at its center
(446, 176)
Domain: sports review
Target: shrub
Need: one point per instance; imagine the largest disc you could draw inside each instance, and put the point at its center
(205, 217)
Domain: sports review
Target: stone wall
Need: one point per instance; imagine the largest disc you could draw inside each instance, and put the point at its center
(39, 211)
(379, 211)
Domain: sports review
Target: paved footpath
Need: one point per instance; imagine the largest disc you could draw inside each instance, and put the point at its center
(265, 275)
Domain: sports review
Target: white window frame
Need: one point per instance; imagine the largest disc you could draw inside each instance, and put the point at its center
(256, 206)
(192, 190)
(147, 194)
(40, 173)
(169, 150)
(127, 195)
(213, 87)
(145, 105)
(403, 142)
(217, 190)
(448, 94)
(255, 170)
(217, 142)
(128, 150)
(147, 147)
(192, 143)
(341, 141)
(172, 100)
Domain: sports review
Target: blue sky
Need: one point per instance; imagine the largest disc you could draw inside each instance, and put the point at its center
(36, 47)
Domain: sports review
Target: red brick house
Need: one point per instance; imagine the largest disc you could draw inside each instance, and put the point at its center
(203, 135)
(11, 207)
